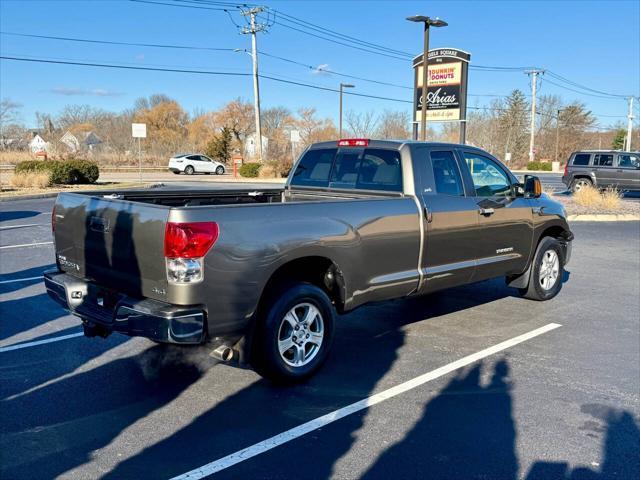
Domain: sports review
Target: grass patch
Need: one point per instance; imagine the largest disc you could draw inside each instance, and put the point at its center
(591, 197)
(31, 180)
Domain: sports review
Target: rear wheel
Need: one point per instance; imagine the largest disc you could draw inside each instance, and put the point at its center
(220, 170)
(295, 331)
(189, 170)
(579, 183)
(545, 278)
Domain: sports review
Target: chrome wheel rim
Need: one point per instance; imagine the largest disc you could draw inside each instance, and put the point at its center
(549, 269)
(580, 184)
(300, 335)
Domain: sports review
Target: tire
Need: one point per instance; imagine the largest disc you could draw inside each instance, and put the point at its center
(189, 170)
(176, 173)
(578, 184)
(220, 170)
(277, 327)
(545, 283)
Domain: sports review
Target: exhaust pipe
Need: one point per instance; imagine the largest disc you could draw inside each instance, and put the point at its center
(223, 353)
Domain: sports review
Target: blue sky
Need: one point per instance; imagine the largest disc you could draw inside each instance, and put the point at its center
(594, 43)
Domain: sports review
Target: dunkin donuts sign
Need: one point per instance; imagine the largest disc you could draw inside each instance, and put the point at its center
(446, 85)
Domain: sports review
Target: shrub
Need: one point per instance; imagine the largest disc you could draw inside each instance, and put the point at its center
(250, 170)
(67, 172)
(31, 180)
(544, 166)
(588, 196)
(611, 198)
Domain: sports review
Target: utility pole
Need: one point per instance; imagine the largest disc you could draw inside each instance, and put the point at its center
(558, 131)
(629, 125)
(534, 77)
(252, 29)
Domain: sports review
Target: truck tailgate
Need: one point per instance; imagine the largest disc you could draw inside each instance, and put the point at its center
(113, 242)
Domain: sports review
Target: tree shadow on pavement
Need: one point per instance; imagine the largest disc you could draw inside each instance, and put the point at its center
(621, 450)
(17, 215)
(466, 431)
(27, 273)
(70, 419)
(366, 347)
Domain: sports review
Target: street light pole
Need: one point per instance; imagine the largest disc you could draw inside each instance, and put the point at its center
(422, 101)
(343, 86)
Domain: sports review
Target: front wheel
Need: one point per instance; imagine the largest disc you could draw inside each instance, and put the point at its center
(220, 170)
(294, 333)
(547, 270)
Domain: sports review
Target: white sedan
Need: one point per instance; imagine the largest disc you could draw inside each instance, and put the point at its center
(190, 163)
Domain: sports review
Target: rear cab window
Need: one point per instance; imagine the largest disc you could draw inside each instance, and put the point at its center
(603, 160)
(581, 159)
(446, 173)
(376, 169)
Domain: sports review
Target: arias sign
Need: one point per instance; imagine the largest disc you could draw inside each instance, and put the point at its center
(446, 85)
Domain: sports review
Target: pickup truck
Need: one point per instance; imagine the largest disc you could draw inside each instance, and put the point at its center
(262, 274)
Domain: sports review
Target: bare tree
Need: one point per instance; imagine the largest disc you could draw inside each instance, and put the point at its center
(393, 125)
(361, 125)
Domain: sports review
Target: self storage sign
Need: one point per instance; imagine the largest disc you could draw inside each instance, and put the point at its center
(446, 85)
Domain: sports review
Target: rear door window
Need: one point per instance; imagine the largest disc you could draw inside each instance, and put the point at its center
(314, 168)
(446, 173)
(603, 160)
(582, 159)
(380, 169)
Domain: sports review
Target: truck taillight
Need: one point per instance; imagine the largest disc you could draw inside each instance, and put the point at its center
(185, 244)
(566, 167)
(189, 240)
(353, 142)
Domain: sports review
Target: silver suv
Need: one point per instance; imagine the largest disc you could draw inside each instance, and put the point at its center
(602, 169)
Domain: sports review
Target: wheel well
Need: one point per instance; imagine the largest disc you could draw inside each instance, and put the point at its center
(576, 177)
(556, 231)
(319, 271)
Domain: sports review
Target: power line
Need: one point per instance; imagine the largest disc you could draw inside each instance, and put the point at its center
(112, 42)
(238, 74)
(570, 82)
(177, 5)
(576, 91)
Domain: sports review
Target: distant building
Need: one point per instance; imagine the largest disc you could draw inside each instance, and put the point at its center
(250, 145)
(39, 144)
(80, 141)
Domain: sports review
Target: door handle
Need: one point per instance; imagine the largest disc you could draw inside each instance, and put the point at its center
(486, 211)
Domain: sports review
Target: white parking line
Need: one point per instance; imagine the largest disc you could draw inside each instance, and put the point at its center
(27, 245)
(25, 226)
(15, 280)
(39, 342)
(284, 437)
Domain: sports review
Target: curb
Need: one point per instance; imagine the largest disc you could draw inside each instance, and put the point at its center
(603, 218)
(28, 197)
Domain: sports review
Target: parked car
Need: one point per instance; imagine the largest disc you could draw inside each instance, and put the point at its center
(191, 163)
(261, 274)
(602, 169)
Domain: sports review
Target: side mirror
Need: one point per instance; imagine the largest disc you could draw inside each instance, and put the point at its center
(532, 186)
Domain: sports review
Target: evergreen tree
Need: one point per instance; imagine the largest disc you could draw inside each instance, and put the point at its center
(514, 125)
(618, 140)
(219, 148)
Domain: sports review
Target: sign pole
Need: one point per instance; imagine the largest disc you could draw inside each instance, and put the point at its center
(139, 160)
(139, 130)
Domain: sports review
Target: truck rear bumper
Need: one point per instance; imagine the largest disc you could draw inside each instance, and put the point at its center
(114, 312)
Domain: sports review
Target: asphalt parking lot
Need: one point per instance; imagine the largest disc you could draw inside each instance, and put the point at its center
(474, 382)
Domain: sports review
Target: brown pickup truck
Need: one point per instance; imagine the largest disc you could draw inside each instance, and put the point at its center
(261, 273)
